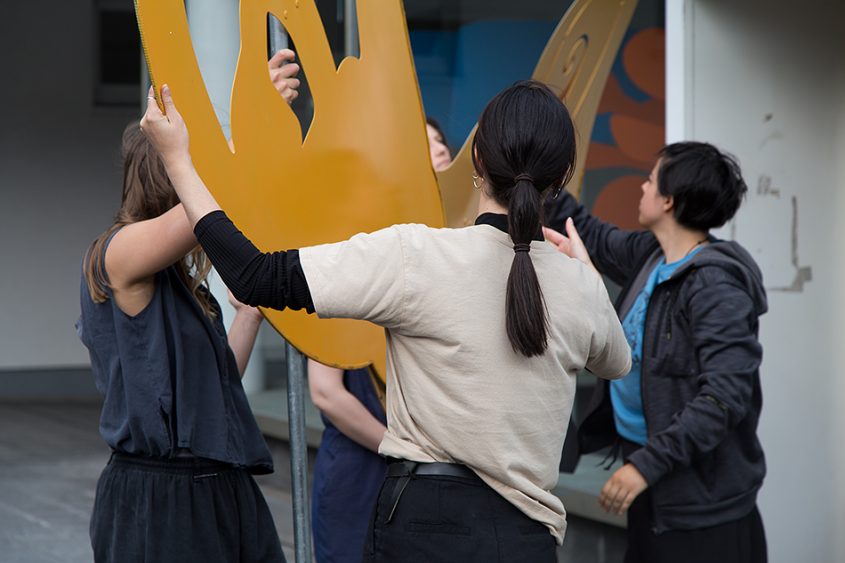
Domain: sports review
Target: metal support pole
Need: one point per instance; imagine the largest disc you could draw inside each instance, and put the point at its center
(350, 24)
(277, 39)
(298, 455)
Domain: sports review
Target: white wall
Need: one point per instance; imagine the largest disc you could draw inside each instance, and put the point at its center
(60, 173)
(59, 177)
(762, 79)
(838, 391)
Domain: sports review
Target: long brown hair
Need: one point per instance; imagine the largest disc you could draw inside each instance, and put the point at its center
(524, 145)
(147, 193)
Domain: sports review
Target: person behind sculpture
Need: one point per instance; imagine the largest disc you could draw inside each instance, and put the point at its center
(686, 417)
(178, 486)
(483, 344)
(438, 146)
(348, 471)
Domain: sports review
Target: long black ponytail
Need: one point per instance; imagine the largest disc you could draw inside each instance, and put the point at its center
(524, 145)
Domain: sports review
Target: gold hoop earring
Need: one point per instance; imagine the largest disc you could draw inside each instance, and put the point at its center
(477, 182)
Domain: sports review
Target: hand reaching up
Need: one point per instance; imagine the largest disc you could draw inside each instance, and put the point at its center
(165, 129)
(569, 244)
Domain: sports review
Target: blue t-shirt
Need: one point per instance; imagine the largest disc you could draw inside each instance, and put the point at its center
(625, 393)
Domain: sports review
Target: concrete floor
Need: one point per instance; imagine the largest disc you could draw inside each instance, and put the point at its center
(51, 456)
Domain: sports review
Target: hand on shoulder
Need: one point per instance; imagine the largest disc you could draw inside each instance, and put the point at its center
(569, 244)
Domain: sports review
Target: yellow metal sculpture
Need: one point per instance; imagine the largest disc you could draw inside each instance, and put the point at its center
(364, 162)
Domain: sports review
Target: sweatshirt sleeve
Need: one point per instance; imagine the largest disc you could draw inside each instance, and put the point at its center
(360, 278)
(610, 354)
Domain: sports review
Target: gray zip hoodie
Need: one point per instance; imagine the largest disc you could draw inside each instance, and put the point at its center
(700, 374)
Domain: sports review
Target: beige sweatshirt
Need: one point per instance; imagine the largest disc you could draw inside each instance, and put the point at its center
(456, 390)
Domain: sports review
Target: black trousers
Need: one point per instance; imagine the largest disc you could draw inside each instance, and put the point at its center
(156, 510)
(740, 541)
(443, 519)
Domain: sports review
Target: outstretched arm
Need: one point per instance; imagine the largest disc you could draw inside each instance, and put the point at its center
(258, 279)
(616, 252)
(278, 280)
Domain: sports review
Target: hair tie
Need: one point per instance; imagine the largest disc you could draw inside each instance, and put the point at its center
(523, 176)
(522, 247)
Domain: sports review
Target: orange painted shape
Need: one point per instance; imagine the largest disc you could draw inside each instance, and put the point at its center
(614, 100)
(618, 202)
(644, 59)
(609, 156)
(637, 139)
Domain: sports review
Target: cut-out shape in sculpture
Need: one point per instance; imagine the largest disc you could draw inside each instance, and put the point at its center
(364, 162)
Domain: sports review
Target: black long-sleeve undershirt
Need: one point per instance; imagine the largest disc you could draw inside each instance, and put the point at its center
(269, 279)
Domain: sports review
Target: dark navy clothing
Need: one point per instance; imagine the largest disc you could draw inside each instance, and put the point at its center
(178, 486)
(169, 379)
(347, 479)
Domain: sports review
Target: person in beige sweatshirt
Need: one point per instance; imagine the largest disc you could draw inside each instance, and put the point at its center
(486, 328)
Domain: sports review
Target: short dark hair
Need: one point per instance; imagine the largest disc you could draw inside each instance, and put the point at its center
(705, 184)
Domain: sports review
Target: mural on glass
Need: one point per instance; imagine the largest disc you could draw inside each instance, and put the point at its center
(466, 56)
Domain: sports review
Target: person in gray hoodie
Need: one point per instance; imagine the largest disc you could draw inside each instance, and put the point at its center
(685, 418)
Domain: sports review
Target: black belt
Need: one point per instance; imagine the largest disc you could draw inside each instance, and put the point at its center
(405, 470)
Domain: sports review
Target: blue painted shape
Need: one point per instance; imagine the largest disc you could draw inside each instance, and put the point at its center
(601, 130)
(618, 71)
(456, 96)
